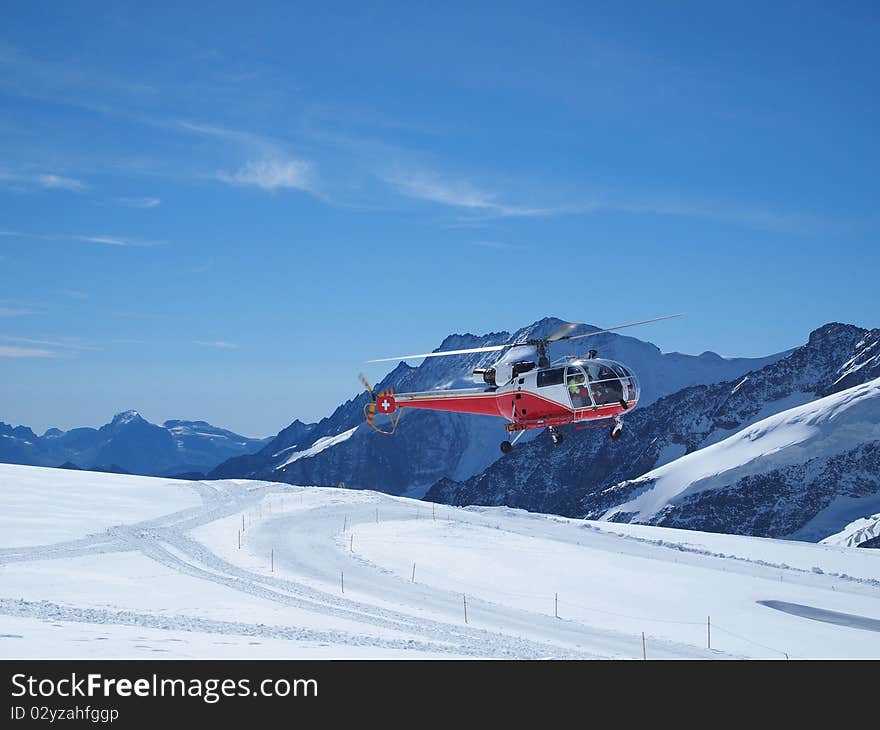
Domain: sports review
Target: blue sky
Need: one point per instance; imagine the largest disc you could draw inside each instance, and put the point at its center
(221, 212)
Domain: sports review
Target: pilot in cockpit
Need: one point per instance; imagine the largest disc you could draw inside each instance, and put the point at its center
(577, 389)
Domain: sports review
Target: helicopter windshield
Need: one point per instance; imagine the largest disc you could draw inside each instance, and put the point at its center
(605, 383)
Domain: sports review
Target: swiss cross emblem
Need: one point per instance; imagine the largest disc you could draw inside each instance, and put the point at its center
(387, 404)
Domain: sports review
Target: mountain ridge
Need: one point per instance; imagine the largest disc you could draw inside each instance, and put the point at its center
(128, 442)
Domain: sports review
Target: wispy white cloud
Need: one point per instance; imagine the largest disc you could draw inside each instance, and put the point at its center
(46, 181)
(14, 351)
(496, 245)
(430, 186)
(269, 164)
(60, 182)
(231, 135)
(15, 311)
(272, 174)
(62, 343)
(721, 212)
(219, 344)
(106, 240)
(139, 202)
(103, 239)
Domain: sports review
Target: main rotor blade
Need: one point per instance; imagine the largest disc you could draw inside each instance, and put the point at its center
(620, 327)
(555, 337)
(563, 330)
(491, 348)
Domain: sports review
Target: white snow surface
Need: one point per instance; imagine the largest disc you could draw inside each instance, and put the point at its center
(41, 505)
(322, 444)
(825, 426)
(105, 565)
(856, 532)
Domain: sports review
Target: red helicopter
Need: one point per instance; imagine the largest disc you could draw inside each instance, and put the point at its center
(526, 393)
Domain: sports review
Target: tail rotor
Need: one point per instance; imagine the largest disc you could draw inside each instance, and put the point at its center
(382, 402)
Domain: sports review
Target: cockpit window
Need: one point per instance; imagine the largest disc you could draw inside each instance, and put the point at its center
(551, 377)
(605, 384)
(606, 373)
(576, 382)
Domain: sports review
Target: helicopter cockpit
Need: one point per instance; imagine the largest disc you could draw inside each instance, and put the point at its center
(597, 382)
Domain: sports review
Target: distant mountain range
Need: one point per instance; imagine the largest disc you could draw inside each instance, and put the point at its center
(430, 446)
(129, 443)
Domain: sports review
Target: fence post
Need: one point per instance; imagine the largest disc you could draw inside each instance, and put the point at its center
(464, 598)
(644, 648)
(351, 544)
(708, 632)
(556, 606)
(434, 512)
(414, 574)
(342, 579)
(239, 539)
(242, 521)
(345, 523)
(272, 560)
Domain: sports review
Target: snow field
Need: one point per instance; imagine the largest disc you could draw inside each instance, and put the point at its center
(130, 567)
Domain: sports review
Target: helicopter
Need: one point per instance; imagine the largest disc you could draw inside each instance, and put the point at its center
(528, 394)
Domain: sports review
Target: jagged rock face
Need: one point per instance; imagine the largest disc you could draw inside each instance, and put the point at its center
(429, 446)
(780, 502)
(576, 478)
(864, 365)
(129, 443)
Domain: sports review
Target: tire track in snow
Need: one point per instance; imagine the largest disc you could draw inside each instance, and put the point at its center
(151, 538)
(166, 540)
(49, 611)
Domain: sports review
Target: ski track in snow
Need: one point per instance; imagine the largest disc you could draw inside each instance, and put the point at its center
(381, 611)
(165, 540)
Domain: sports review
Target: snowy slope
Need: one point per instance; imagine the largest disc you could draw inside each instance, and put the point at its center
(860, 532)
(100, 565)
(740, 483)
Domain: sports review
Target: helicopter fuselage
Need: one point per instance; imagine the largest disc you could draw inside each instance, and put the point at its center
(569, 391)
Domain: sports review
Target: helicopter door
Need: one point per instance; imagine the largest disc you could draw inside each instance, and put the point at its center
(576, 383)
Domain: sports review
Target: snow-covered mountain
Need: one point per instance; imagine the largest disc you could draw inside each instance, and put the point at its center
(130, 442)
(429, 446)
(574, 478)
(805, 473)
(861, 532)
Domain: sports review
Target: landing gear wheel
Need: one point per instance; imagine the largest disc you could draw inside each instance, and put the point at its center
(556, 437)
(616, 431)
(506, 446)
